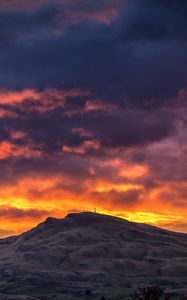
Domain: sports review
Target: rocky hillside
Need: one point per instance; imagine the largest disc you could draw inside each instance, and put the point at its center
(90, 252)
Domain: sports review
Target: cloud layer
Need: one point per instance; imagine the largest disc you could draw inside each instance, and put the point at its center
(93, 103)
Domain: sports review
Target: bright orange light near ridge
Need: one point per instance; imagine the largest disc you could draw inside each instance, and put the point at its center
(56, 209)
(151, 218)
(142, 216)
(123, 196)
(58, 203)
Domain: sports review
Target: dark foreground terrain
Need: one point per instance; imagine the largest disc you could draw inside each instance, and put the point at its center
(88, 253)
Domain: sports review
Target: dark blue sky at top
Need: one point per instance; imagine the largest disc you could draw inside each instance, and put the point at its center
(141, 54)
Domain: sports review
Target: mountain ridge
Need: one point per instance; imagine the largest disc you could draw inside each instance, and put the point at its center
(97, 216)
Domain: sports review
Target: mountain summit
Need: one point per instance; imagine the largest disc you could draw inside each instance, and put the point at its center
(89, 251)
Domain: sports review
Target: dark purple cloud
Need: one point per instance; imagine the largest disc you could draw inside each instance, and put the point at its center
(12, 212)
(120, 61)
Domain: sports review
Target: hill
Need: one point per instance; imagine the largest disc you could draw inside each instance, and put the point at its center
(89, 251)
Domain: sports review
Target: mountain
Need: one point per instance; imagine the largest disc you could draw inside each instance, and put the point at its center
(67, 258)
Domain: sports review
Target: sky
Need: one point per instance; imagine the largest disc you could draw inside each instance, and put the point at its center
(93, 111)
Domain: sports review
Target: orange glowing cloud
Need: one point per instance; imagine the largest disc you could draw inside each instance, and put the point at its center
(100, 16)
(134, 171)
(10, 150)
(43, 100)
(99, 105)
(103, 187)
(12, 97)
(86, 146)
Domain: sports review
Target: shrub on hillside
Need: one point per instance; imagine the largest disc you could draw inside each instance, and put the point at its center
(150, 293)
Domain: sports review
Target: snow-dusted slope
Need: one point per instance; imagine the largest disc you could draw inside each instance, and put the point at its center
(89, 251)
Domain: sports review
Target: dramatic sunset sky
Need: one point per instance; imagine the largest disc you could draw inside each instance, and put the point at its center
(93, 110)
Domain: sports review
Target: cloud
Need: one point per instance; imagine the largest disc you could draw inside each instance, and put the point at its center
(36, 123)
(120, 61)
(87, 6)
(92, 107)
(120, 199)
(13, 212)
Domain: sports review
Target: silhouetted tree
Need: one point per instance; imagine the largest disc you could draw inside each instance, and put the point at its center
(102, 298)
(88, 292)
(150, 293)
(184, 297)
(167, 296)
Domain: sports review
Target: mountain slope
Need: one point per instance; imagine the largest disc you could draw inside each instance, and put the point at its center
(88, 251)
